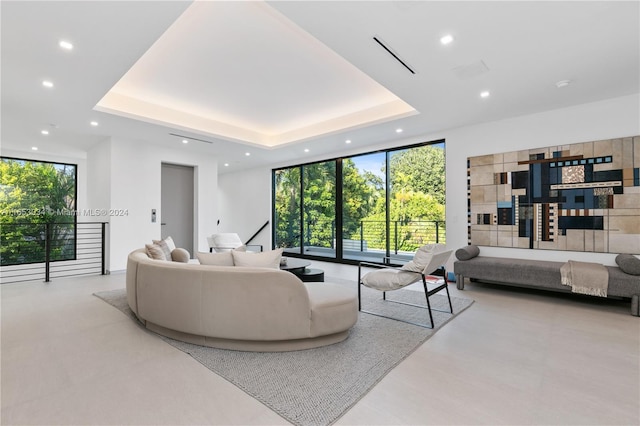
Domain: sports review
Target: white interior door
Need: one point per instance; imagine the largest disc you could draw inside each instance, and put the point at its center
(176, 214)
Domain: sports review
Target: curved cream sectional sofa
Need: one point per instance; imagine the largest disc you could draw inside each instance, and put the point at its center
(239, 308)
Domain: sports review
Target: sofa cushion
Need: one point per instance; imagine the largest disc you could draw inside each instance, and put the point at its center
(216, 259)
(265, 259)
(468, 252)
(628, 263)
(156, 252)
(389, 279)
(180, 255)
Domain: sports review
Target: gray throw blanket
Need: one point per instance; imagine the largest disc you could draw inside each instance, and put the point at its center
(585, 278)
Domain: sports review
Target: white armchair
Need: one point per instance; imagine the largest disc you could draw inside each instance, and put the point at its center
(428, 266)
(228, 241)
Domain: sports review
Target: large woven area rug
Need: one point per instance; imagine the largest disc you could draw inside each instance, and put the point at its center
(317, 386)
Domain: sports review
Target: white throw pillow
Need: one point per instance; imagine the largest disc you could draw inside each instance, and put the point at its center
(265, 259)
(422, 257)
(170, 243)
(216, 259)
(389, 279)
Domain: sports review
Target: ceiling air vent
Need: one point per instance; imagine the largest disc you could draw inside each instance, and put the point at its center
(392, 53)
(465, 72)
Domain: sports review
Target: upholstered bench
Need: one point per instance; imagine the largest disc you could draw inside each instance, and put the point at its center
(539, 274)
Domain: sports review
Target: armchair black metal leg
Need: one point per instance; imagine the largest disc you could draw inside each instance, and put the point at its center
(429, 309)
(426, 295)
(359, 290)
(449, 297)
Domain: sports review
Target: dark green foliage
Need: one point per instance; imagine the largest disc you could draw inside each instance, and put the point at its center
(33, 194)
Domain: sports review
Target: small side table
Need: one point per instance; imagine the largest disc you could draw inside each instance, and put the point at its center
(312, 275)
(298, 267)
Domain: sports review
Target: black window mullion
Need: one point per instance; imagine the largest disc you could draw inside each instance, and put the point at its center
(301, 209)
(339, 210)
(387, 203)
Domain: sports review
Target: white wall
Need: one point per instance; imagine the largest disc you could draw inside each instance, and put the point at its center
(606, 119)
(134, 185)
(244, 211)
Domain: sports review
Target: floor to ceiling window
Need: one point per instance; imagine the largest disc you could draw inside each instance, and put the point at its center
(319, 208)
(287, 207)
(366, 207)
(416, 198)
(36, 198)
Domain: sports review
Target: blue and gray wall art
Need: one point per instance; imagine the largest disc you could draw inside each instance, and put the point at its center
(578, 197)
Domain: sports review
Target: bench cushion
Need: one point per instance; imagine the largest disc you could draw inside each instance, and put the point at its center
(537, 274)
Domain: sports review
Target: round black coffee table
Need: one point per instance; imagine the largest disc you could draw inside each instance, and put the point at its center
(299, 268)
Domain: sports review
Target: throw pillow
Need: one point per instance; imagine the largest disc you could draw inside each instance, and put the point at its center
(156, 252)
(628, 263)
(216, 259)
(180, 255)
(165, 248)
(170, 243)
(422, 257)
(265, 259)
(468, 252)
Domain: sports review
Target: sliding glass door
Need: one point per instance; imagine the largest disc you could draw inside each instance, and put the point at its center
(369, 207)
(286, 212)
(416, 200)
(364, 222)
(319, 207)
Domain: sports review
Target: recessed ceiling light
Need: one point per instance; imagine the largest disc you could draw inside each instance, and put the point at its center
(47, 83)
(185, 141)
(35, 148)
(65, 45)
(306, 150)
(347, 141)
(485, 94)
(563, 83)
(94, 123)
(44, 132)
(247, 154)
(398, 130)
(446, 39)
(226, 164)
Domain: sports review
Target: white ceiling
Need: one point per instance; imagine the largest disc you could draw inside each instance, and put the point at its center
(270, 69)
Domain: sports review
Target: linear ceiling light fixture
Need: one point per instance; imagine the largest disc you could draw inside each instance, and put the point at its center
(392, 53)
(190, 138)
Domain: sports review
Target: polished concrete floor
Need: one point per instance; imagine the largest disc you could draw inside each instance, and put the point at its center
(515, 357)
